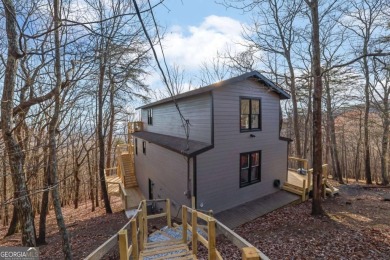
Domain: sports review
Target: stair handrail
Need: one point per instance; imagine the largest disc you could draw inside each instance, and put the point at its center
(113, 240)
(210, 242)
(121, 237)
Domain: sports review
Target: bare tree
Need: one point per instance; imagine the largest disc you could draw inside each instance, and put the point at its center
(22, 202)
(364, 22)
(380, 90)
(274, 31)
(317, 110)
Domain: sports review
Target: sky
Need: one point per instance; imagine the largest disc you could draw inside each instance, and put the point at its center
(195, 30)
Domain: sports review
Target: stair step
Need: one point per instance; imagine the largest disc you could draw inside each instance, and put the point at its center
(292, 190)
(286, 184)
(183, 255)
(159, 244)
(166, 249)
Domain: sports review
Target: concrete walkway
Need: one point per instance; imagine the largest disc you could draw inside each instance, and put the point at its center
(251, 210)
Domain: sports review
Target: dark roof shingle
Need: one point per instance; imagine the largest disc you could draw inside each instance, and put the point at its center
(176, 144)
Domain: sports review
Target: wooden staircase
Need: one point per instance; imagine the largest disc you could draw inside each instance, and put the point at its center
(129, 178)
(135, 240)
(173, 249)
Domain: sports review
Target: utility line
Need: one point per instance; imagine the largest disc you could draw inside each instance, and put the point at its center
(185, 122)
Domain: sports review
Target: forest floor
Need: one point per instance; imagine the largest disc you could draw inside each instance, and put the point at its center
(356, 226)
(88, 230)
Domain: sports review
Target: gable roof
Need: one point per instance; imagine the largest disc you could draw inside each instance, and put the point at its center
(249, 75)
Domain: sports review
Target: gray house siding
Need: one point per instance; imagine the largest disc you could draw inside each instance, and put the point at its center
(168, 172)
(166, 119)
(218, 170)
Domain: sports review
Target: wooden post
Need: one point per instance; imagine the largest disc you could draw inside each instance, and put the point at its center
(141, 230)
(211, 239)
(145, 220)
(184, 223)
(193, 202)
(123, 251)
(134, 238)
(168, 209)
(194, 232)
(304, 191)
(250, 253)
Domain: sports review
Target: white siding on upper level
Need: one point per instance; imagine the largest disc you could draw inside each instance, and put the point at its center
(166, 119)
(218, 169)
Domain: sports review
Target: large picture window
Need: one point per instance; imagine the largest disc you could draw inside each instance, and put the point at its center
(150, 116)
(250, 168)
(250, 114)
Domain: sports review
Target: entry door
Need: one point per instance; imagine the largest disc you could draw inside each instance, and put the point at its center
(151, 184)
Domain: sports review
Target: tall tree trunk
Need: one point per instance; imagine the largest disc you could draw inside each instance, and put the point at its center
(332, 135)
(14, 151)
(77, 183)
(295, 111)
(45, 202)
(103, 186)
(52, 138)
(367, 162)
(306, 146)
(5, 217)
(385, 145)
(91, 186)
(317, 110)
(14, 225)
(357, 156)
(111, 124)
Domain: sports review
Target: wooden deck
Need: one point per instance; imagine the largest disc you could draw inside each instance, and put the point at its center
(113, 183)
(133, 197)
(249, 211)
(295, 178)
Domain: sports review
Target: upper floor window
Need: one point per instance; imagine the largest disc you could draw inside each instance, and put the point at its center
(136, 145)
(250, 114)
(150, 116)
(250, 168)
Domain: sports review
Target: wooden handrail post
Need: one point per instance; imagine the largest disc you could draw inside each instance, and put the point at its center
(168, 209)
(194, 224)
(123, 252)
(134, 238)
(305, 165)
(184, 223)
(141, 230)
(211, 239)
(250, 253)
(145, 220)
(304, 191)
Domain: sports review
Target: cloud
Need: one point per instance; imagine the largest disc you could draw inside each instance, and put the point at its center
(189, 47)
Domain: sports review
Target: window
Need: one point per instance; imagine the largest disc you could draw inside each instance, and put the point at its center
(250, 168)
(144, 147)
(250, 114)
(136, 145)
(150, 116)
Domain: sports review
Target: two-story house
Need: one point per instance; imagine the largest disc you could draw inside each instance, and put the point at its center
(231, 152)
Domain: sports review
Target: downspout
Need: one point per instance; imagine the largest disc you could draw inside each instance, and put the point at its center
(191, 195)
(195, 190)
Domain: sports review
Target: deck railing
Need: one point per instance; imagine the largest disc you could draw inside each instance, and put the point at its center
(299, 164)
(210, 242)
(135, 126)
(137, 229)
